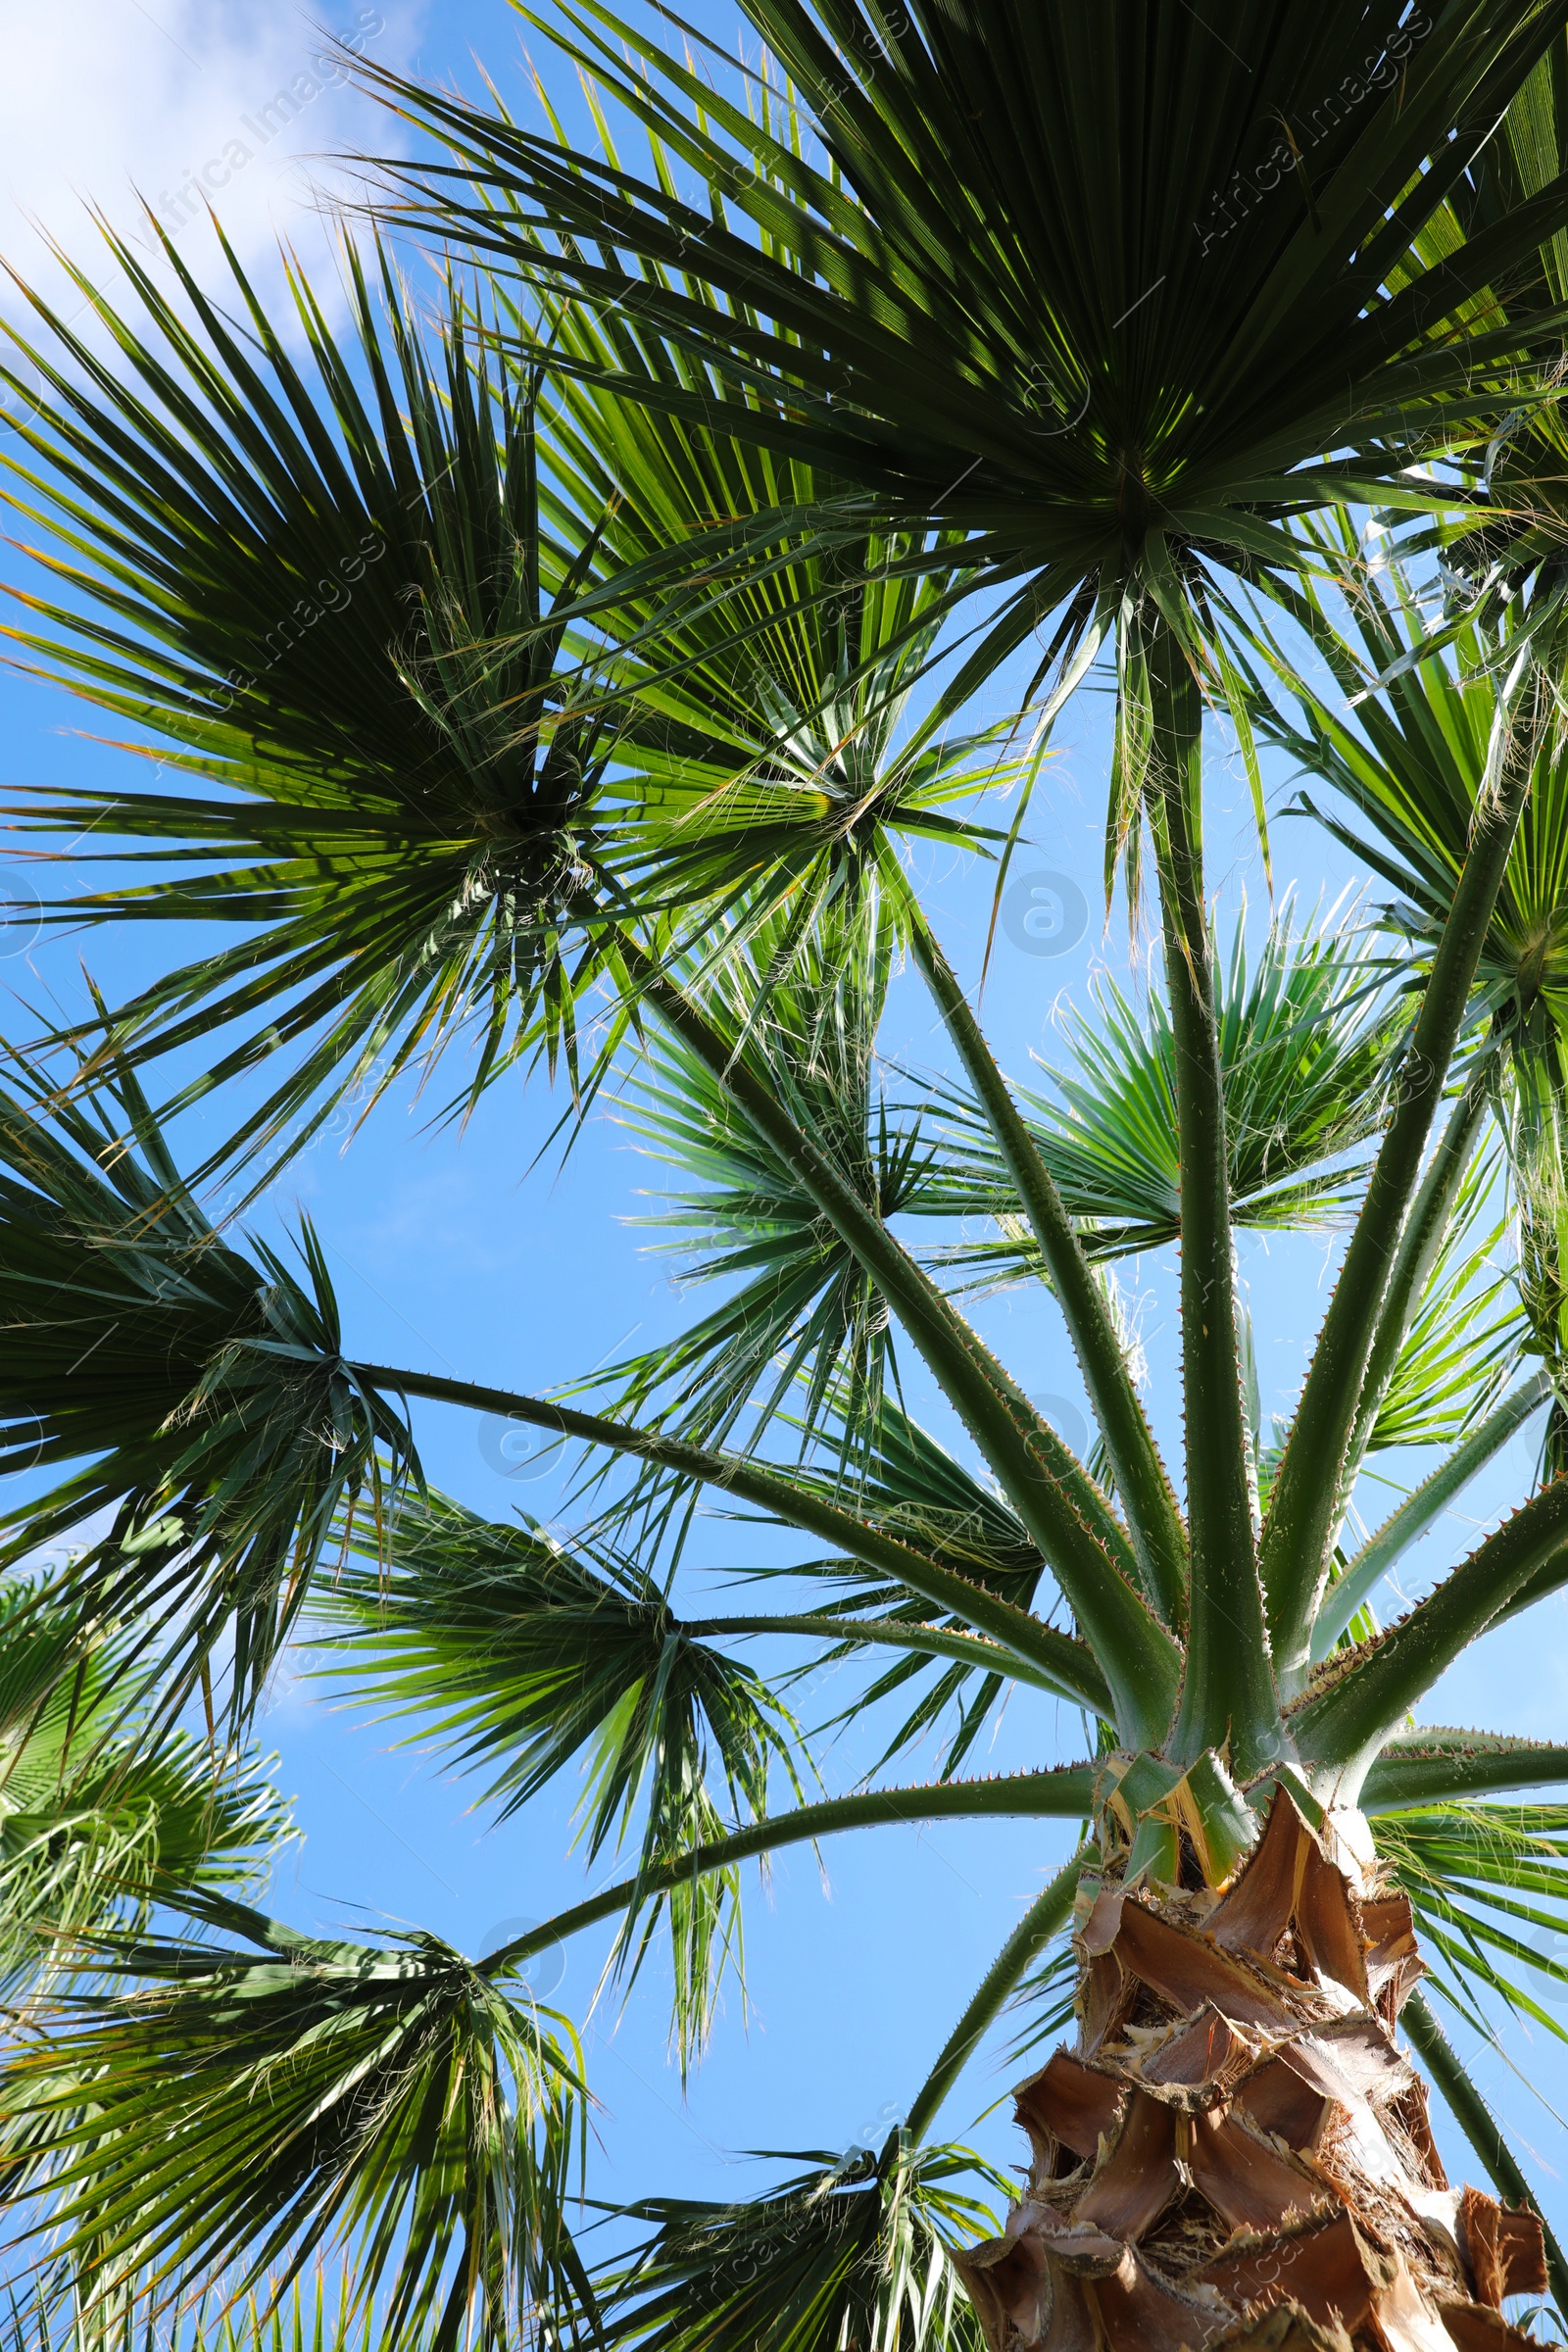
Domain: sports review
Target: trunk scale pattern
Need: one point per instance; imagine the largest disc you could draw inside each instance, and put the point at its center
(1238, 2153)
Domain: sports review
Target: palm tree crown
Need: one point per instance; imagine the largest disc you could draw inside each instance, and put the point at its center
(576, 674)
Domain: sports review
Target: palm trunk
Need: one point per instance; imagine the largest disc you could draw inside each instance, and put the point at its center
(1236, 2152)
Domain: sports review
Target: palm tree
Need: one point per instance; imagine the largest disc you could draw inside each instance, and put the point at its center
(572, 649)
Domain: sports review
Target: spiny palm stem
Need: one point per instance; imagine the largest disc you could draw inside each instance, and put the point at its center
(1001, 1418)
(883, 1633)
(1480, 2127)
(1433, 1767)
(1425, 1230)
(1067, 1666)
(1159, 1537)
(1044, 1918)
(1228, 1692)
(1344, 1724)
(1419, 1509)
(1303, 1507)
(1080, 1538)
(1065, 1793)
(1418, 1253)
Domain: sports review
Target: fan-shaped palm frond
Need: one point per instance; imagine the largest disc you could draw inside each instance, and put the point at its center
(96, 1826)
(1527, 457)
(1411, 763)
(1488, 1887)
(225, 1429)
(992, 304)
(848, 2251)
(779, 703)
(525, 1656)
(519, 1655)
(415, 664)
(300, 579)
(308, 2317)
(1468, 1331)
(1305, 1033)
(801, 1307)
(241, 2110)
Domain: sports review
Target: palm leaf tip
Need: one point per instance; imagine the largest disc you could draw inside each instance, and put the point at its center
(226, 1429)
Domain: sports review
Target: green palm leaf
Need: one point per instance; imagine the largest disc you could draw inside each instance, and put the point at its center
(789, 683)
(308, 2316)
(799, 1307)
(300, 584)
(987, 310)
(907, 1483)
(1410, 764)
(96, 1826)
(1488, 1887)
(1304, 1038)
(404, 633)
(521, 1656)
(1468, 1332)
(238, 2111)
(1525, 469)
(850, 2251)
(226, 1431)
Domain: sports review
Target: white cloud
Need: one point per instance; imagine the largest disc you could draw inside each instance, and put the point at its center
(228, 101)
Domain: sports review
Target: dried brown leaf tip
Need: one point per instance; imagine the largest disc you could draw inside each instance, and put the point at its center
(1237, 2154)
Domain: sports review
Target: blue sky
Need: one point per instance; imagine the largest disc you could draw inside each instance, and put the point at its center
(450, 1256)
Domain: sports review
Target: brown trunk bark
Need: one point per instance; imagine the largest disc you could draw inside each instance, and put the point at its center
(1237, 2153)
